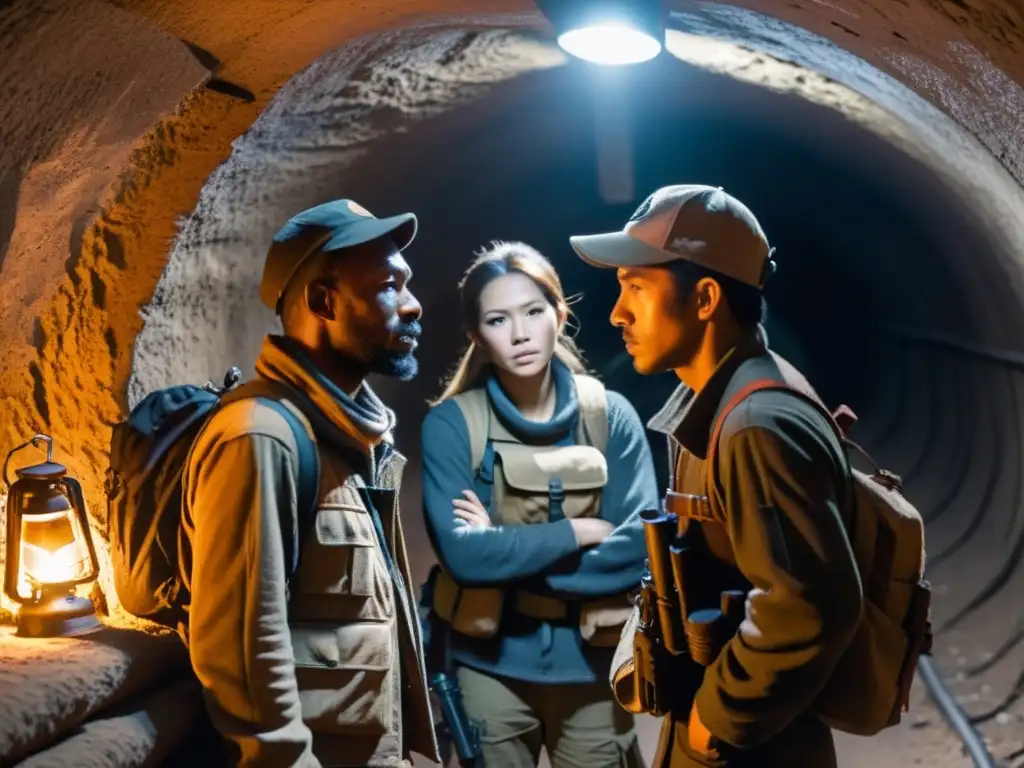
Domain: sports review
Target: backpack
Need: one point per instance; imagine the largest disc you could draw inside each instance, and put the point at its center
(149, 451)
(869, 688)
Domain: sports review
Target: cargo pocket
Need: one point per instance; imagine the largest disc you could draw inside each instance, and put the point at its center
(338, 556)
(475, 612)
(602, 621)
(343, 575)
(541, 485)
(343, 677)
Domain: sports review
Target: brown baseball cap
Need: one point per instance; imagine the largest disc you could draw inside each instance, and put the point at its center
(332, 226)
(689, 222)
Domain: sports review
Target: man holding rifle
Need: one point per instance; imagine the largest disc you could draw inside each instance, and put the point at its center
(753, 592)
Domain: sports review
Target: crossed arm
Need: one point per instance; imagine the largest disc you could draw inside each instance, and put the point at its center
(483, 555)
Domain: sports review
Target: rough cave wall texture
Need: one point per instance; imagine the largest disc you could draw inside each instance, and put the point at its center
(106, 145)
(108, 152)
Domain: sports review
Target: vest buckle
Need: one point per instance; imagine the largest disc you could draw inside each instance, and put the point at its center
(556, 495)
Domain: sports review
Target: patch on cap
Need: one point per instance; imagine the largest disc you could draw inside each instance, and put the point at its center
(686, 245)
(358, 210)
(640, 212)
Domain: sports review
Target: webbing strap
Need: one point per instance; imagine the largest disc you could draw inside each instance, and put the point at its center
(758, 386)
(293, 531)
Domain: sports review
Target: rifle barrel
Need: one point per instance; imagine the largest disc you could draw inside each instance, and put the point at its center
(659, 531)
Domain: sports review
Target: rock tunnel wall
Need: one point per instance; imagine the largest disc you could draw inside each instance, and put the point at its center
(298, 153)
(99, 106)
(101, 175)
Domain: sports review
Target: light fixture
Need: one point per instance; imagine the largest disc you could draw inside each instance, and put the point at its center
(49, 548)
(607, 32)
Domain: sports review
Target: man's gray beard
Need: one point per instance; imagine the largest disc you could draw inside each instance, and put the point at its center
(395, 365)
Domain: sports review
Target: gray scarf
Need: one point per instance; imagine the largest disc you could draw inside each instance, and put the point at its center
(364, 419)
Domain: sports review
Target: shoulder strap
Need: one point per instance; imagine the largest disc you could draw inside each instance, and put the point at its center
(758, 386)
(272, 394)
(476, 410)
(842, 416)
(593, 400)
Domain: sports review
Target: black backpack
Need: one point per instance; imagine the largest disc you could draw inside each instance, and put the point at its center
(148, 453)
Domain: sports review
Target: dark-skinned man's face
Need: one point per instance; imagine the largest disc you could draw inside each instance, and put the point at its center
(375, 316)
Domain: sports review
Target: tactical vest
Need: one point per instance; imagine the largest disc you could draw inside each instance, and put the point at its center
(529, 484)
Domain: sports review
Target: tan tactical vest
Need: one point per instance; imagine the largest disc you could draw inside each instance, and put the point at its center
(536, 484)
(354, 633)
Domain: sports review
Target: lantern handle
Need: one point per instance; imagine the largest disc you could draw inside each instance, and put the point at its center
(33, 442)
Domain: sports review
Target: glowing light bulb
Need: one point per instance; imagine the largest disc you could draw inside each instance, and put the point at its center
(610, 44)
(43, 567)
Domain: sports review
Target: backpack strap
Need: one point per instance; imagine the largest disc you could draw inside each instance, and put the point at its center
(841, 421)
(593, 400)
(764, 384)
(843, 416)
(272, 394)
(476, 410)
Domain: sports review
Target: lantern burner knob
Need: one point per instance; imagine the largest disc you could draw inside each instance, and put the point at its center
(57, 615)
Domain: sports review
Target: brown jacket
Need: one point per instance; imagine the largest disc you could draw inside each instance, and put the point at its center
(333, 677)
(775, 523)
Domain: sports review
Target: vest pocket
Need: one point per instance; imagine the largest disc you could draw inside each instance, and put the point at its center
(338, 556)
(343, 676)
(537, 485)
(475, 612)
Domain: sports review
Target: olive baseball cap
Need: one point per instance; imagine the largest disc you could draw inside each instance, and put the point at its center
(689, 222)
(332, 226)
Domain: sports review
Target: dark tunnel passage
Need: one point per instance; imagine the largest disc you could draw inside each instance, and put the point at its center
(881, 271)
(889, 294)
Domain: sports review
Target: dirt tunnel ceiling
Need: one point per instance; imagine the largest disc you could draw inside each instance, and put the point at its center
(135, 207)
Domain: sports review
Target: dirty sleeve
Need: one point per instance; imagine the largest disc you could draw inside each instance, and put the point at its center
(239, 639)
(779, 484)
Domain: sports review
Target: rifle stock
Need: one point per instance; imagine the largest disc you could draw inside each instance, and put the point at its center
(455, 730)
(646, 646)
(455, 725)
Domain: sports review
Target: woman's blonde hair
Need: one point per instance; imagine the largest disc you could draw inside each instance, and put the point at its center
(497, 260)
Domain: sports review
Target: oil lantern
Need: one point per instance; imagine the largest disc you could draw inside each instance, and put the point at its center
(49, 548)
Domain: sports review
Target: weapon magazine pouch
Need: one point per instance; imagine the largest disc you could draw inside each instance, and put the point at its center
(472, 611)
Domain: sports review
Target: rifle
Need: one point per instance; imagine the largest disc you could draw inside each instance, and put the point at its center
(455, 727)
(671, 640)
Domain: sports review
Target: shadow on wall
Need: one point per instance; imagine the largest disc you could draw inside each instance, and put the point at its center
(69, 121)
(856, 230)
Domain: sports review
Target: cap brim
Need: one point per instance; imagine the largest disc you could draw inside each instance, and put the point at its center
(401, 228)
(617, 249)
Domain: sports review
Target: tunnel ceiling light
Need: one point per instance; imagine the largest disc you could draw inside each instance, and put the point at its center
(607, 32)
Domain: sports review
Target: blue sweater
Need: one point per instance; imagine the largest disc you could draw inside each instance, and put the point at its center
(541, 558)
